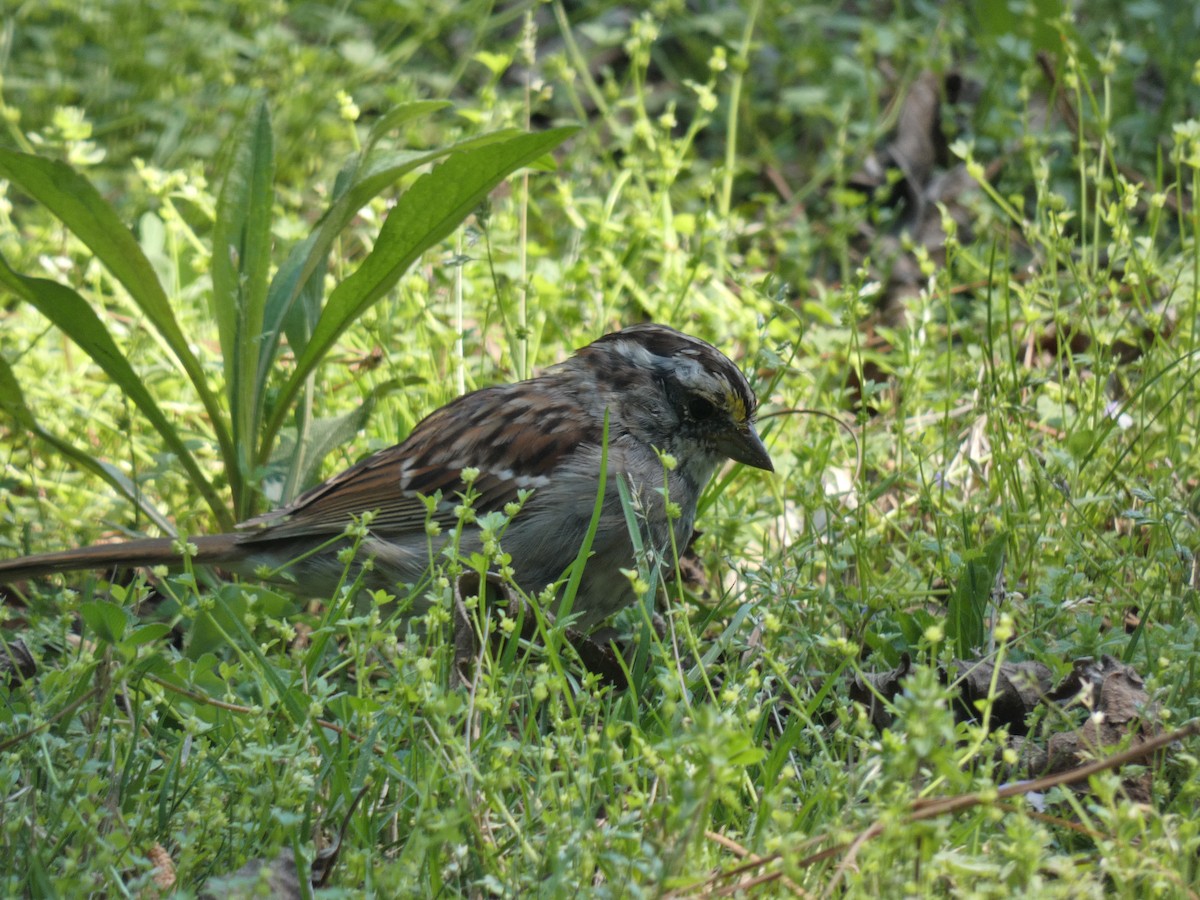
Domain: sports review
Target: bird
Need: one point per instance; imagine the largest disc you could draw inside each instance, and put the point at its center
(662, 409)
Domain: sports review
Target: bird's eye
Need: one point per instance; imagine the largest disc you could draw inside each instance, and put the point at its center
(700, 409)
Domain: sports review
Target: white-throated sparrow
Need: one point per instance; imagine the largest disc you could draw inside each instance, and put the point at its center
(663, 391)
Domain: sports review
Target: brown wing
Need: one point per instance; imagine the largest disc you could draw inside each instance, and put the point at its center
(372, 485)
(515, 435)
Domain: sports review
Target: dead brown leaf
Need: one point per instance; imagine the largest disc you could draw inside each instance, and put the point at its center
(278, 877)
(1120, 712)
(1019, 688)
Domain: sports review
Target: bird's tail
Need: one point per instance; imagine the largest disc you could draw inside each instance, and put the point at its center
(214, 549)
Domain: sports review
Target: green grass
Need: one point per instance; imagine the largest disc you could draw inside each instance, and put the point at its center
(1031, 416)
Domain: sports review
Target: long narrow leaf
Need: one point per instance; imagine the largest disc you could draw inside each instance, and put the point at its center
(302, 274)
(399, 114)
(967, 607)
(79, 206)
(72, 314)
(425, 214)
(241, 263)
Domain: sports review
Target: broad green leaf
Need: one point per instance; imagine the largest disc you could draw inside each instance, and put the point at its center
(426, 213)
(148, 633)
(107, 620)
(740, 750)
(240, 266)
(382, 167)
(73, 199)
(79, 206)
(75, 318)
(293, 303)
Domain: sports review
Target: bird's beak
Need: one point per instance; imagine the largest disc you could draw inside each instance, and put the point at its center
(745, 446)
